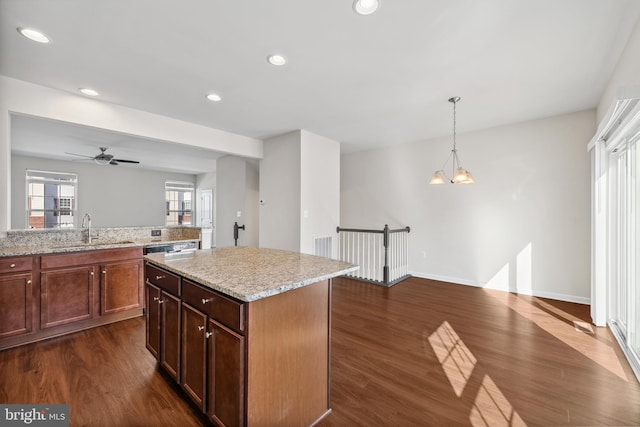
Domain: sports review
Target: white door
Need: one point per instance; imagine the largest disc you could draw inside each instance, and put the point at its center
(206, 209)
(206, 220)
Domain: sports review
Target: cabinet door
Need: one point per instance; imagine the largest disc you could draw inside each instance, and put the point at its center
(194, 351)
(120, 286)
(226, 367)
(152, 299)
(16, 298)
(66, 295)
(170, 334)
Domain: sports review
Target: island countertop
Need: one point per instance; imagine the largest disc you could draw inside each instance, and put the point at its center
(250, 273)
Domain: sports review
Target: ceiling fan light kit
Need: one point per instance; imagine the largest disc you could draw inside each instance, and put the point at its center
(458, 173)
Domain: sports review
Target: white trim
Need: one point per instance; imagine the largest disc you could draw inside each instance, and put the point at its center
(618, 116)
(458, 281)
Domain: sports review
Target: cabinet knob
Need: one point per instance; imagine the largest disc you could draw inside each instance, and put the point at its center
(91, 273)
(12, 266)
(160, 277)
(208, 334)
(201, 328)
(104, 271)
(160, 301)
(28, 282)
(156, 298)
(206, 300)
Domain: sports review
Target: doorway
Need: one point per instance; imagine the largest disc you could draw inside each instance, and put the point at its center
(205, 217)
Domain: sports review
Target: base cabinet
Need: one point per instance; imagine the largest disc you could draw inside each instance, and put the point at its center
(116, 290)
(48, 295)
(225, 375)
(194, 354)
(16, 297)
(170, 335)
(66, 295)
(163, 320)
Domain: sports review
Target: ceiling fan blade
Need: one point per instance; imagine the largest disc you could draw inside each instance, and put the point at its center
(80, 155)
(126, 161)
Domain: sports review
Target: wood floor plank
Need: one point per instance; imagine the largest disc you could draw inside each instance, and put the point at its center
(105, 374)
(421, 353)
(431, 353)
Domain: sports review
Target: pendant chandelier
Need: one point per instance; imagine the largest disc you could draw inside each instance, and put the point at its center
(458, 174)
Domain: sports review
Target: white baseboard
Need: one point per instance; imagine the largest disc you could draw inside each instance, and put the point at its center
(539, 294)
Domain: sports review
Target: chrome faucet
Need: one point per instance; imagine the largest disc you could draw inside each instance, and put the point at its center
(87, 218)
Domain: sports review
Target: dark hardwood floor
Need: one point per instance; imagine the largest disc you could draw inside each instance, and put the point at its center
(421, 353)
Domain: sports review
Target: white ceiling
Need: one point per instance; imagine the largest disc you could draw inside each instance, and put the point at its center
(366, 81)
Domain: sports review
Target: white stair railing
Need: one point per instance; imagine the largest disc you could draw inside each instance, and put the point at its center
(383, 255)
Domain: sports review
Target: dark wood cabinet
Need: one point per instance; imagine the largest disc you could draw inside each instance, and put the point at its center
(205, 341)
(225, 380)
(194, 354)
(119, 286)
(43, 296)
(163, 319)
(66, 295)
(16, 296)
(152, 336)
(170, 335)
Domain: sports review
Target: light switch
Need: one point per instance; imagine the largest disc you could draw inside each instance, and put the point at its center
(239, 214)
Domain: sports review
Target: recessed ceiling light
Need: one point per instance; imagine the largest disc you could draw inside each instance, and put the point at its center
(366, 7)
(214, 97)
(89, 92)
(34, 35)
(277, 60)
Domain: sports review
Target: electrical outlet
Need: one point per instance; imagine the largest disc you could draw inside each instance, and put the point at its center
(156, 232)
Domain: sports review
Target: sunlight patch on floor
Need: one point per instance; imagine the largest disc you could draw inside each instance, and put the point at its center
(454, 356)
(563, 326)
(491, 407)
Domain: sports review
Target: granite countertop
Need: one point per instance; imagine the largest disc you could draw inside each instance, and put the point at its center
(64, 247)
(249, 273)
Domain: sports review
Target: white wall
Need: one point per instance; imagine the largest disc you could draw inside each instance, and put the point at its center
(524, 225)
(115, 196)
(236, 192)
(26, 98)
(280, 192)
(626, 73)
(320, 190)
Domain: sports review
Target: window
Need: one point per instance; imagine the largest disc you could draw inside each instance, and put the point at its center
(179, 202)
(615, 160)
(51, 199)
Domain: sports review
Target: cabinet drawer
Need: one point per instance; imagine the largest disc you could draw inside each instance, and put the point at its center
(162, 279)
(217, 306)
(14, 264)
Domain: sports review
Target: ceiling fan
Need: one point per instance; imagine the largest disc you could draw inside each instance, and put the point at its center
(104, 158)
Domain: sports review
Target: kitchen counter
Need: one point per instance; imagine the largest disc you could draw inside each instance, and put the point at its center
(63, 247)
(48, 241)
(249, 273)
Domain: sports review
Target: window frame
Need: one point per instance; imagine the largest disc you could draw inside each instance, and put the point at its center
(182, 212)
(59, 179)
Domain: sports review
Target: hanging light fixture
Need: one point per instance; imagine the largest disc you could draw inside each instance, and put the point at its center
(459, 175)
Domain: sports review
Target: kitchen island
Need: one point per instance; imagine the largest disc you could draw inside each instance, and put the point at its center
(244, 331)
